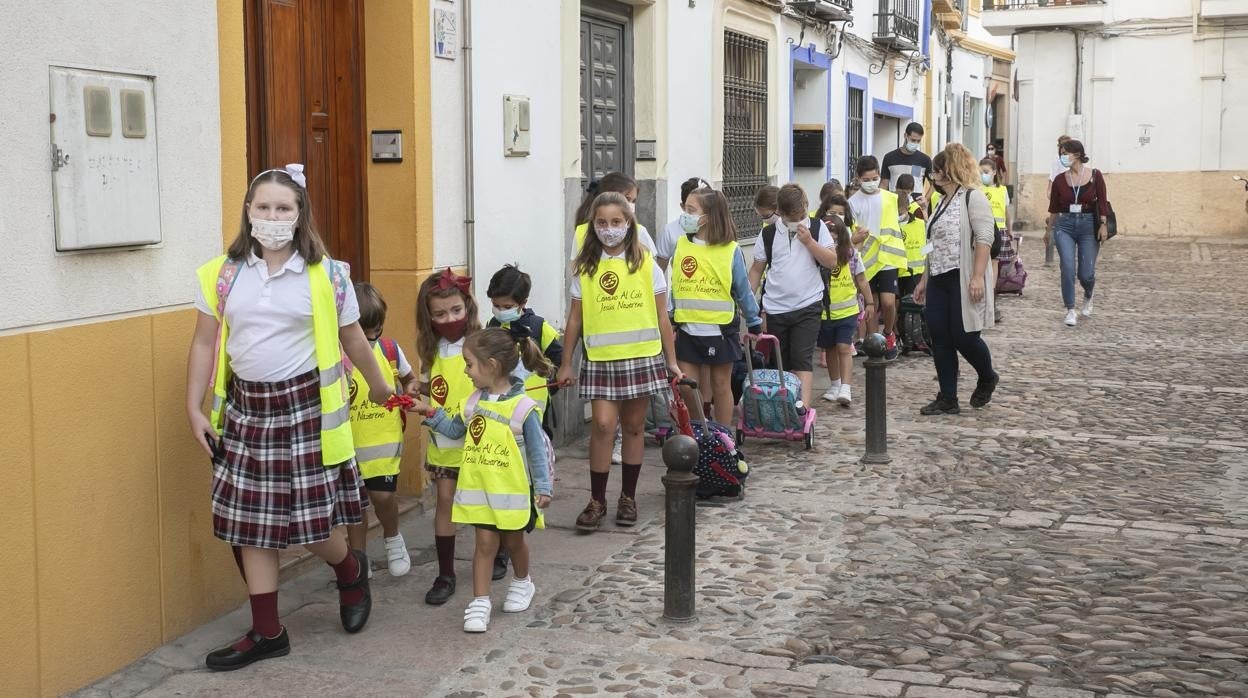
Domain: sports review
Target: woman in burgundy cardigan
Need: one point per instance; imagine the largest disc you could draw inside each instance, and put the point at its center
(1078, 210)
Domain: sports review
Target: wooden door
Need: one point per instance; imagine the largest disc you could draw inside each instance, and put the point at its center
(305, 103)
(606, 140)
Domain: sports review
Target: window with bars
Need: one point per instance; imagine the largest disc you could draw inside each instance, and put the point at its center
(854, 128)
(745, 127)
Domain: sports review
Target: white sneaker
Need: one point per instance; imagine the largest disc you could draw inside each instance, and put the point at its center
(844, 398)
(477, 615)
(1087, 306)
(617, 456)
(1071, 318)
(519, 595)
(396, 555)
(832, 392)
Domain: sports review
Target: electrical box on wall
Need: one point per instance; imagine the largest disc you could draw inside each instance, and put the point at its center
(105, 183)
(515, 126)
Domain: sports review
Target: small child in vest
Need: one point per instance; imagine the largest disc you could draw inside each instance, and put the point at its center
(709, 282)
(999, 196)
(619, 301)
(509, 299)
(378, 433)
(446, 315)
(913, 220)
(505, 479)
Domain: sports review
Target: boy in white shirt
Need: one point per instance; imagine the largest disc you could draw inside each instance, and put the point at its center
(793, 298)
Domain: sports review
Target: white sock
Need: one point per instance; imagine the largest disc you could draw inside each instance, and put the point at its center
(524, 580)
(486, 599)
(836, 384)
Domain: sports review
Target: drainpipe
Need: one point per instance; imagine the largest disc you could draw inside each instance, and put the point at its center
(1078, 70)
(470, 206)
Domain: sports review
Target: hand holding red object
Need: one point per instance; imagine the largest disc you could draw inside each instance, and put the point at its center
(407, 402)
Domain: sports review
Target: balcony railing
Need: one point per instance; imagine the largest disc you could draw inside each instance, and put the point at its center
(1031, 4)
(897, 24)
(826, 10)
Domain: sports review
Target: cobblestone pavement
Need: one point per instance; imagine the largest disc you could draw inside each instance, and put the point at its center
(1083, 536)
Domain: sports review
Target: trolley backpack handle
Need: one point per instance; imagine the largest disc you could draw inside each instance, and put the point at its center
(755, 341)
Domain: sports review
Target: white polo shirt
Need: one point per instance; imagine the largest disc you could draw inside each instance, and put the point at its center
(793, 281)
(270, 319)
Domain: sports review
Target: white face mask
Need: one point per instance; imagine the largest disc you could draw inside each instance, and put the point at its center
(508, 315)
(632, 207)
(611, 237)
(869, 186)
(273, 235)
(690, 222)
(912, 146)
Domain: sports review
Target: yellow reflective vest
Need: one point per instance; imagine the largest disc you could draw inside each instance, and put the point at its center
(997, 197)
(533, 383)
(914, 232)
(842, 295)
(449, 386)
(376, 431)
(885, 248)
(619, 312)
(702, 282)
(494, 486)
(336, 443)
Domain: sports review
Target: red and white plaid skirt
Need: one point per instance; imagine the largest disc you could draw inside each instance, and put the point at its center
(624, 379)
(271, 490)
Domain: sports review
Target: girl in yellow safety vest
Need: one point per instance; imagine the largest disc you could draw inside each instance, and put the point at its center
(999, 198)
(709, 283)
(505, 479)
(619, 309)
(275, 316)
(445, 314)
(847, 287)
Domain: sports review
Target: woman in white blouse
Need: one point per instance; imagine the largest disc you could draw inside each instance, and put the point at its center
(954, 286)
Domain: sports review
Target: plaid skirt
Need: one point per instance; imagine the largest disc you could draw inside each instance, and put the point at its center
(270, 489)
(624, 379)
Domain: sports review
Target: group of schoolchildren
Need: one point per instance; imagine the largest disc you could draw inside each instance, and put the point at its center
(310, 399)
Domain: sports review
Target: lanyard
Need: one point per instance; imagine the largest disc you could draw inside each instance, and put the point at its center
(944, 205)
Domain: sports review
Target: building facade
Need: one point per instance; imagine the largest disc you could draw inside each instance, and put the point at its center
(1155, 89)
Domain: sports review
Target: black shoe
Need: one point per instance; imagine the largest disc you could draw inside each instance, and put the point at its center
(983, 392)
(442, 589)
(228, 659)
(500, 566)
(941, 405)
(355, 615)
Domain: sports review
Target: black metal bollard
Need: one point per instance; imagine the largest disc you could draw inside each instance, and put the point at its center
(680, 454)
(877, 401)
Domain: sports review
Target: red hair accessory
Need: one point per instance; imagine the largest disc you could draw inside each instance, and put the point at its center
(449, 279)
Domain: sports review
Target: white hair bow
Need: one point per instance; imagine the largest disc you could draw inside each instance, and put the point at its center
(293, 170)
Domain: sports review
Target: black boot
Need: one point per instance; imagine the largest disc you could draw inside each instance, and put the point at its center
(441, 591)
(983, 391)
(355, 615)
(228, 659)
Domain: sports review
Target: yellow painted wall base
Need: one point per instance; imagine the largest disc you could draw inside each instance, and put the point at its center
(1156, 203)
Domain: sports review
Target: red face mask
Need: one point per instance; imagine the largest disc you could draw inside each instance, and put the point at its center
(451, 331)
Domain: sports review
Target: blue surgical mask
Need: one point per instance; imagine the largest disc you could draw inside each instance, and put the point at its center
(912, 146)
(985, 178)
(508, 315)
(690, 222)
(1065, 160)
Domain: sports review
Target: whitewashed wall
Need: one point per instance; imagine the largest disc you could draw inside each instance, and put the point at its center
(172, 41)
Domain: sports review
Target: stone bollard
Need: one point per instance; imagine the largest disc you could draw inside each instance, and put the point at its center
(877, 401)
(680, 454)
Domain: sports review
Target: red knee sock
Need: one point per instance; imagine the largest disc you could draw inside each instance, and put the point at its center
(445, 546)
(263, 619)
(629, 487)
(348, 571)
(598, 486)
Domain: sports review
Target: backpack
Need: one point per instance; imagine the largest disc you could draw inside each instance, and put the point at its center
(1111, 219)
(769, 239)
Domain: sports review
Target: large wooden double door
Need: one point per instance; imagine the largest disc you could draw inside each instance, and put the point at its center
(305, 104)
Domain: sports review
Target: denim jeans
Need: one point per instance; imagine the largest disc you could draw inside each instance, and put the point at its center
(1075, 236)
(943, 311)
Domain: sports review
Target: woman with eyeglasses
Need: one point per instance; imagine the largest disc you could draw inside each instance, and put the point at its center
(955, 285)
